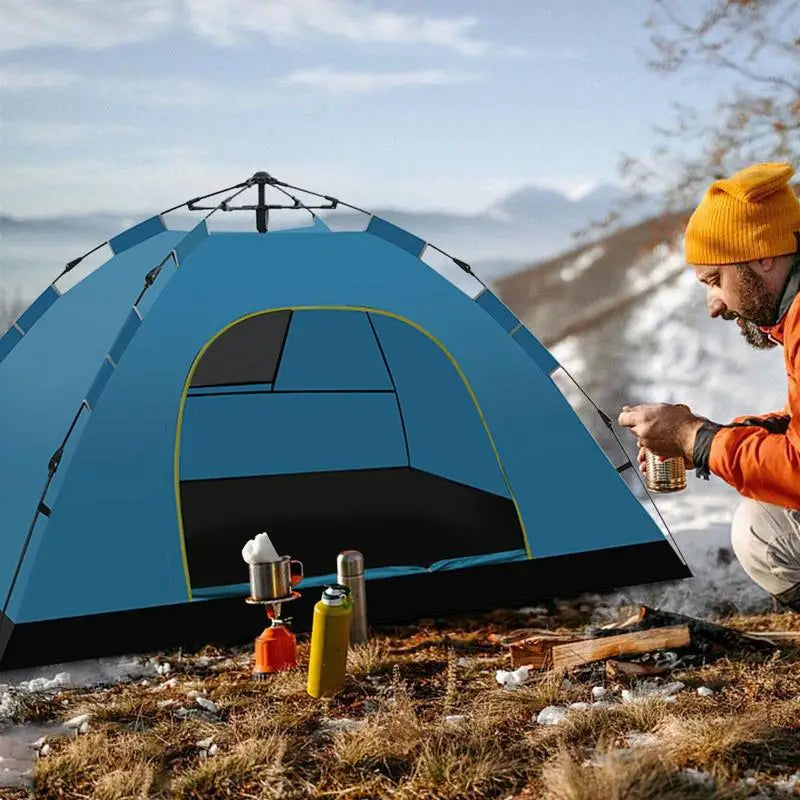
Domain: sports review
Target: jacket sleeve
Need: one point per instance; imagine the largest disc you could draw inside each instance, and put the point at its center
(777, 418)
(759, 456)
(759, 464)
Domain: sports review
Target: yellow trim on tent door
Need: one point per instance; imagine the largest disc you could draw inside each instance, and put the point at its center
(367, 310)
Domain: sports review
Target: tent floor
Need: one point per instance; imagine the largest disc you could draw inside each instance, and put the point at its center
(231, 621)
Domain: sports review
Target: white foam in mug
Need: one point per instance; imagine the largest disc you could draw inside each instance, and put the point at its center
(260, 550)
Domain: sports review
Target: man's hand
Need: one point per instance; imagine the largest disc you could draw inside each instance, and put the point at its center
(666, 430)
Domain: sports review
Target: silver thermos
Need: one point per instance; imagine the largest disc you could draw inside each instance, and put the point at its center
(350, 573)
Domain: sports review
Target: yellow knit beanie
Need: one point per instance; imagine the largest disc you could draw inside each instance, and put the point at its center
(753, 214)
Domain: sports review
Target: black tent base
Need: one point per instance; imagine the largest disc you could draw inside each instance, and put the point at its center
(231, 621)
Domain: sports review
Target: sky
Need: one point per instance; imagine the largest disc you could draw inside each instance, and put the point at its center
(141, 104)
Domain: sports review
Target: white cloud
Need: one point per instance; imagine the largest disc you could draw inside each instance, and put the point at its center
(100, 24)
(337, 81)
(54, 134)
(140, 91)
(223, 21)
(83, 24)
(16, 78)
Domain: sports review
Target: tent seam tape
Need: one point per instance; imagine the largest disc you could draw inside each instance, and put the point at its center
(394, 388)
(367, 310)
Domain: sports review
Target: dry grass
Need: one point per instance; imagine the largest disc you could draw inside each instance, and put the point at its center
(114, 766)
(600, 727)
(499, 705)
(466, 761)
(645, 776)
(253, 768)
(727, 744)
(273, 740)
(370, 658)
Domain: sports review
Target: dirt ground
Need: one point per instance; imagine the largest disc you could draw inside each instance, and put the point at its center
(422, 715)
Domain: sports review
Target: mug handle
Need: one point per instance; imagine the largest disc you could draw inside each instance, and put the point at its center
(296, 576)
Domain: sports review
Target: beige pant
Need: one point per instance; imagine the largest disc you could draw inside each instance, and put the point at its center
(766, 540)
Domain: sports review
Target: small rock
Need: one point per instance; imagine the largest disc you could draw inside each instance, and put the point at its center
(670, 688)
(84, 728)
(704, 691)
(667, 657)
(601, 704)
(699, 776)
(169, 684)
(455, 719)
(335, 725)
(579, 706)
(76, 722)
(212, 751)
(204, 744)
(788, 785)
(598, 692)
(463, 661)
(552, 715)
(45, 749)
(185, 713)
(208, 705)
(566, 684)
(639, 739)
(512, 679)
(192, 694)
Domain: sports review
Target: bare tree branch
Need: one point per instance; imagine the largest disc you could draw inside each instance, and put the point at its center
(755, 115)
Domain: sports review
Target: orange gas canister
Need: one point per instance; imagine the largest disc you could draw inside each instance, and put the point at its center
(275, 650)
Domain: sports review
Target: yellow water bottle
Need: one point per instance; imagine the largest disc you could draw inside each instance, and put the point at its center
(330, 637)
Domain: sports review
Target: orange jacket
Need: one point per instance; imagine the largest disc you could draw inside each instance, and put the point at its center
(760, 456)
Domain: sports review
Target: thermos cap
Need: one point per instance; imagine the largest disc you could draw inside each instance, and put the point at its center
(335, 595)
(349, 564)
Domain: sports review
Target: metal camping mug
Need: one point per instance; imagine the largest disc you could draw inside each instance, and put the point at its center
(665, 476)
(272, 580)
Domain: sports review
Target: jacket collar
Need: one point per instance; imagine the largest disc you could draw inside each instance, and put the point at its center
(791, 290)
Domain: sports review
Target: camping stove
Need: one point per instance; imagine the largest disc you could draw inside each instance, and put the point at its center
(276, 647)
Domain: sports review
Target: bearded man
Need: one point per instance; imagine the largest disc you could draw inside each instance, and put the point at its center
(743, 241)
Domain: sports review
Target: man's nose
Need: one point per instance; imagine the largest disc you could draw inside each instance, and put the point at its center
(716, 307)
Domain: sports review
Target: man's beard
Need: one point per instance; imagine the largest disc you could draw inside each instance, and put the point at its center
(758, 308)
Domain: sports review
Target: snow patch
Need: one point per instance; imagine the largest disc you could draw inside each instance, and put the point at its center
(585, 260)
(80, 674)
(511, 680)
(552, 715)
(338, 725)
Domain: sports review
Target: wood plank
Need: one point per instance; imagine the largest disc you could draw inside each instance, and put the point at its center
(632, 620)
(775, 636)
(632, 669)
(701, 630)
(535, 651)
(518, 635)
(574, 654)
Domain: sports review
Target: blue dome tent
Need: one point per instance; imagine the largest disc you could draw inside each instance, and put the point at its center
(329, 387)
